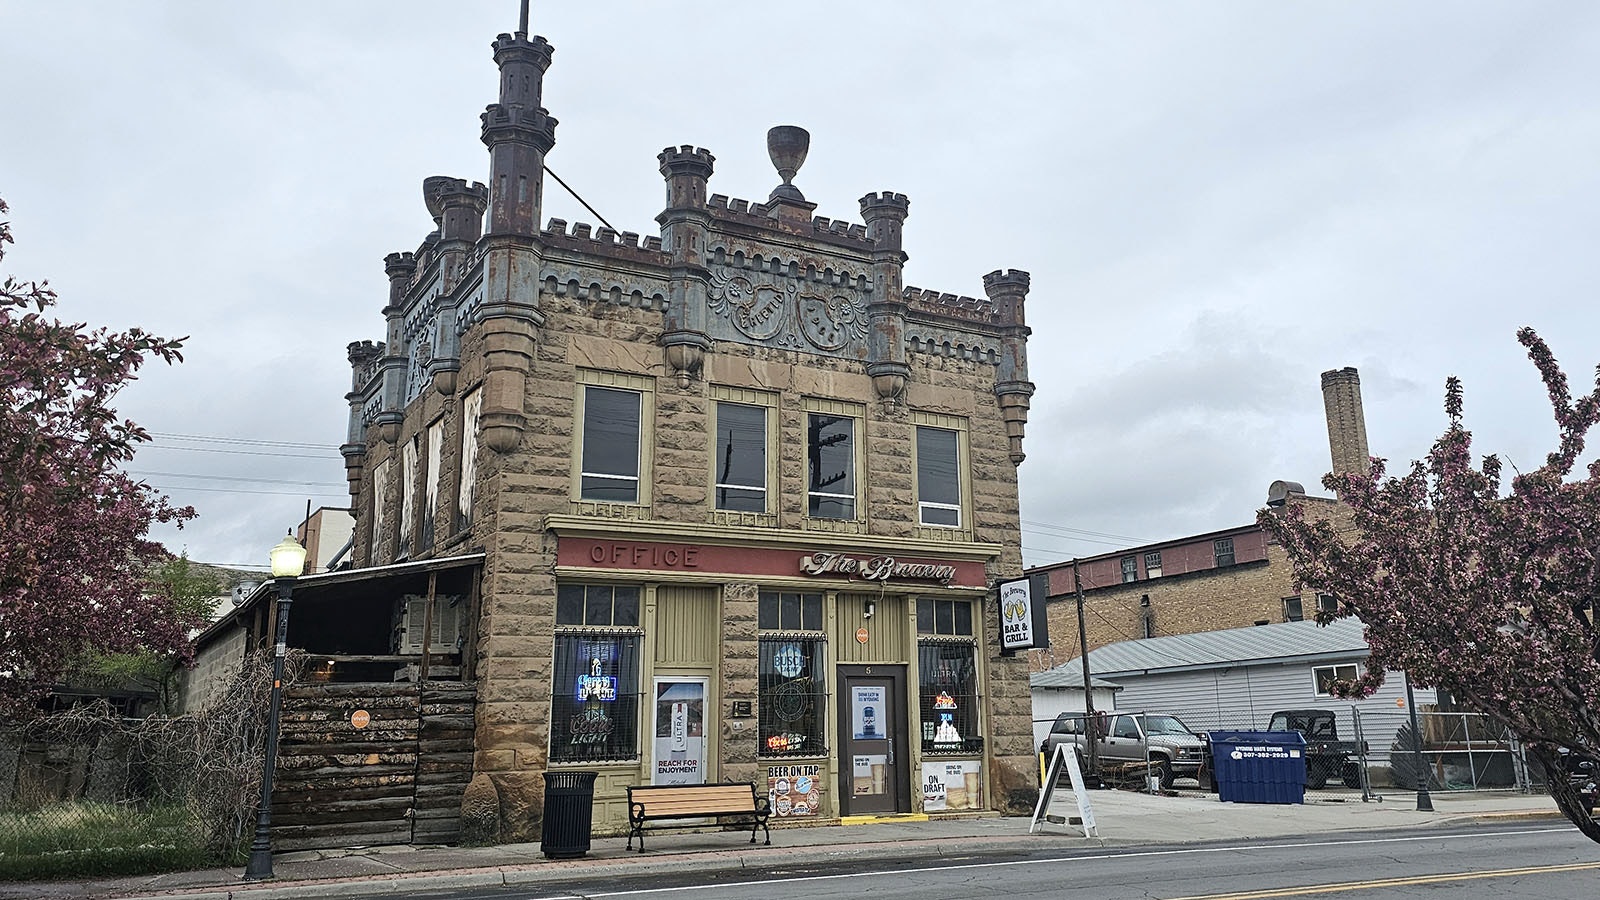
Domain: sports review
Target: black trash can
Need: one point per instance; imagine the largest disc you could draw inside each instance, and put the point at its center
(568, 813)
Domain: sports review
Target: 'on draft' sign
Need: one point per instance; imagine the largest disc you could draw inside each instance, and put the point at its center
(861, 636)
(360, 718)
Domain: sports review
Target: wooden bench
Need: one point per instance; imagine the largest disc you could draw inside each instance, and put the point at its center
(664, 802)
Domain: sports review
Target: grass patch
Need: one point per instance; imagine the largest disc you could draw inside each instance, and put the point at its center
(99, 839)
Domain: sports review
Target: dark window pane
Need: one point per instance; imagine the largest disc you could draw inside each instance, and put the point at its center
(610, 490)
(790, 619)
(811, 612)
(937, 480)
(963, 618)
(569, 604)
(625, 609)
(831, 475)
(935, 515)
(610, 445)
(947, 617)
(597, 605)
(948, 700)
(831, 508)
(595, 698)
(925, 617)
(767, 611)
(741, 461)
(791, 698)
(741, 499)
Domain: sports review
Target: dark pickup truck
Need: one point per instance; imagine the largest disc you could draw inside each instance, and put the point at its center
(1327, 757)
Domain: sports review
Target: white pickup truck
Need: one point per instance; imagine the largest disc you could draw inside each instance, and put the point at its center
(1130, 737)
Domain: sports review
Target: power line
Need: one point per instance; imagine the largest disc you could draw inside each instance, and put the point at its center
(232, 440)
(1069, 531)
(218, 490)
(244, 452)
(234, 478)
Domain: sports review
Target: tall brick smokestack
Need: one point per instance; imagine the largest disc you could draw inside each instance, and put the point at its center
(1347, 424)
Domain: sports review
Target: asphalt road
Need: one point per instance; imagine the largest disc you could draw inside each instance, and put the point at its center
(1538, 861)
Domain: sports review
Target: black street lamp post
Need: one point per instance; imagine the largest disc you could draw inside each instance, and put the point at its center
(288, 561)
(1424, 802)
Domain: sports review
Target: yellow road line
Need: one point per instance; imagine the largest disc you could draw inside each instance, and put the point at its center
(1389, 882)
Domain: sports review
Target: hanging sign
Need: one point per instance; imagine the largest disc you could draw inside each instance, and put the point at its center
(1022, 615)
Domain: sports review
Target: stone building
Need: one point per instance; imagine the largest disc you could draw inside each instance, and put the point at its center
(1233, 578)
(738, 497)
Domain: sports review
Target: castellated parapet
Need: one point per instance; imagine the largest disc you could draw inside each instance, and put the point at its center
(763, 313)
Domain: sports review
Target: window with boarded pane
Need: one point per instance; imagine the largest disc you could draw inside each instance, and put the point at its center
(741, 460)
(938, 477)
(952, 618)
(791, 695)
(947, 693)
(594, 702)
(1152, 564)
(830, 466)
(610, 455)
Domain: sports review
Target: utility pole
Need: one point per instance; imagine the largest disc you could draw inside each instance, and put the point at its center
(1089, 735)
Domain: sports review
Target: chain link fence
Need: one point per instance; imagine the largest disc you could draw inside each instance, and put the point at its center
(1355, 752)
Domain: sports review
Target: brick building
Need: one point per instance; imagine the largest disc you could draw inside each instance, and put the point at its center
(1233, 578)
(735, 496)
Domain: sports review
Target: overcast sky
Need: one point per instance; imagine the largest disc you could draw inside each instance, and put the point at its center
(1217, 201)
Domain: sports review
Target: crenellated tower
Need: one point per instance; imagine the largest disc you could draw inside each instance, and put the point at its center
(684, 223)
(885, 215)
(1008, 291)
(518, 133)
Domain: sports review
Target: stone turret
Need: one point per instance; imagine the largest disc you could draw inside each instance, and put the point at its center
(684, 224)
(1008, 291)
(885, 214)
(518, 133)
(363, 356)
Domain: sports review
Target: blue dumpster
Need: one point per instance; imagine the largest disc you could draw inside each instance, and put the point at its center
(1259, 766)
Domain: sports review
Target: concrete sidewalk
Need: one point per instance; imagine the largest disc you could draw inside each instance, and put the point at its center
(1123, 818)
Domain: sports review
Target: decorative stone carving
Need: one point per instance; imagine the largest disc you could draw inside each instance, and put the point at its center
(787, 313)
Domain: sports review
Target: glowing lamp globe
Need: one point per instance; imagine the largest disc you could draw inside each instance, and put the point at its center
(288, 558)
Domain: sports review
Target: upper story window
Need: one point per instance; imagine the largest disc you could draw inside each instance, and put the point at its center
(1152, 564)
(938, 477)
(1130, 569)
(831, 466)
(466, 486)
(610, 445)
(740, 464)
(1292, 609)
(1327, 603)
(1222, 548)
(614, 414)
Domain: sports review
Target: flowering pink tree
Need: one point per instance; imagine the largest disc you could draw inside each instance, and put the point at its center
(1487, 594)
(74, 552)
